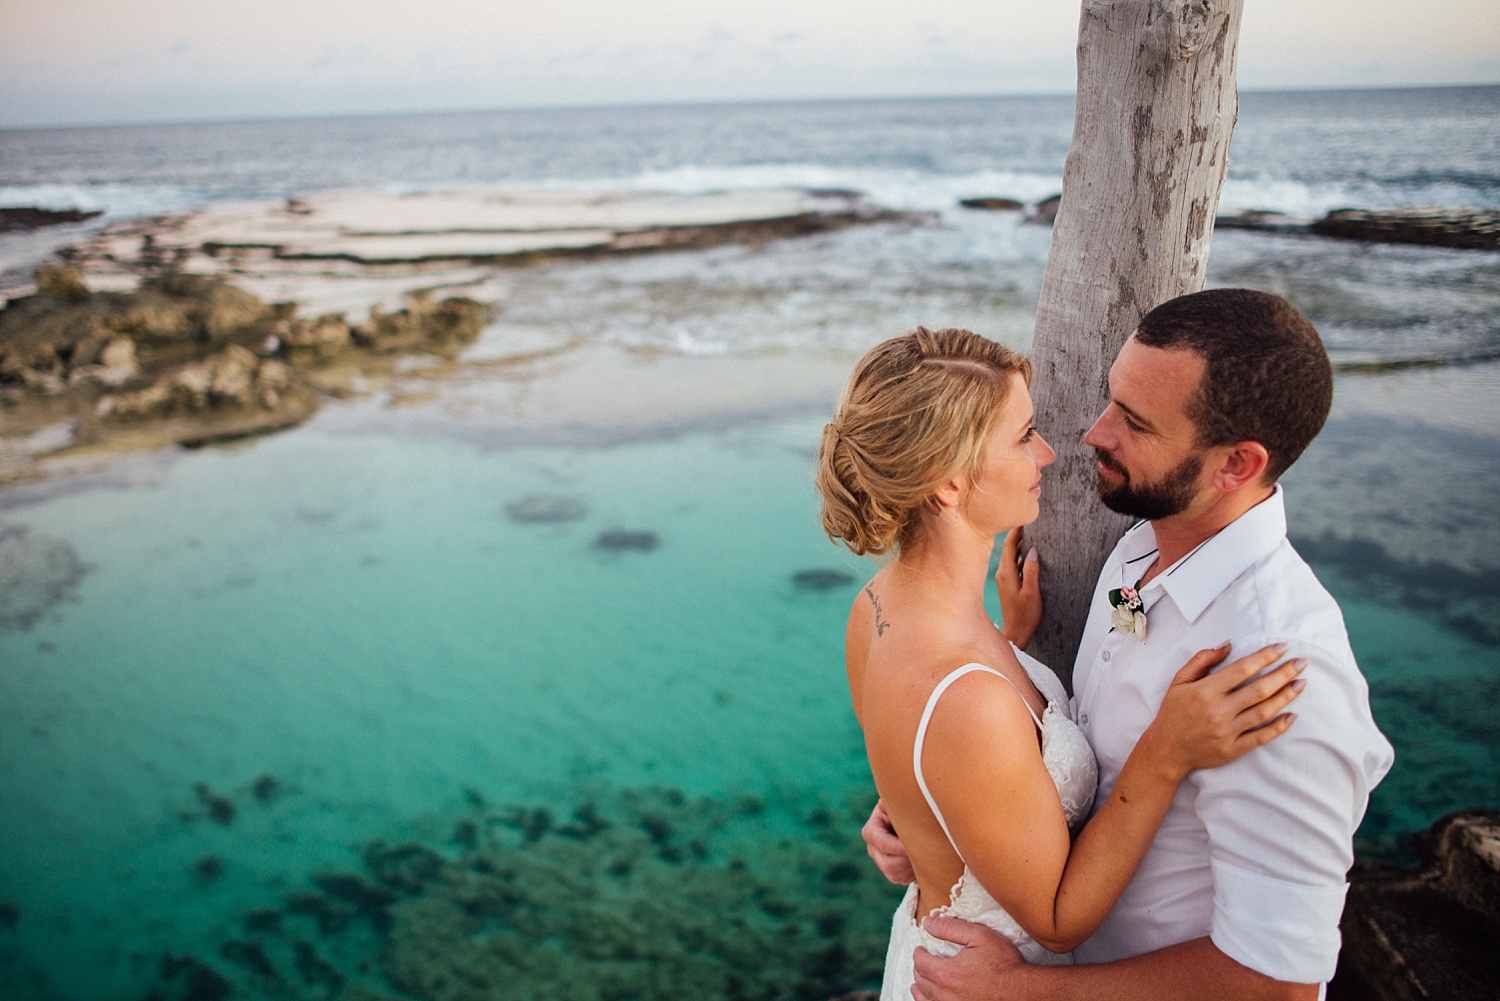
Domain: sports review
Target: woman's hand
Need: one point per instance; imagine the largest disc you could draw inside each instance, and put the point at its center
(1020, 590)
(1206, 719)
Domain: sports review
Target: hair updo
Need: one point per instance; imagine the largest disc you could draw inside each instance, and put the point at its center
(918, 409)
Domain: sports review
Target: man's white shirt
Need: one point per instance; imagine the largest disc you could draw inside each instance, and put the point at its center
(1255, 853)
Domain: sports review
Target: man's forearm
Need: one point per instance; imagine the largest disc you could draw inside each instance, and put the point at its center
(1188, 971)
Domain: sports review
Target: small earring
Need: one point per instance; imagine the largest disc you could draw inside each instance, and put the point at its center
(955, 516)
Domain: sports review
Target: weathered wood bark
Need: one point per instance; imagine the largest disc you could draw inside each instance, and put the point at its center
(1156, 108)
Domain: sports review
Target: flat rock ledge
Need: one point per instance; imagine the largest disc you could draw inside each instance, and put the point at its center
(1459, 229)
(1432, 932)
(1462, 229)
(374, 231)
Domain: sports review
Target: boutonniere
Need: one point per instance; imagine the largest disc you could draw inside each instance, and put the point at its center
(1130, 611)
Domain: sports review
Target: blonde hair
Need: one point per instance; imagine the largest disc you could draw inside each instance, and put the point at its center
(918, 409)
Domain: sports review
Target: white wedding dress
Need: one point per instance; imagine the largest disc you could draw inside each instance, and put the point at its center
(1071, 764)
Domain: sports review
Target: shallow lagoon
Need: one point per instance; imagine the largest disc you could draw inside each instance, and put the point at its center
(351, 610)
(357, 616)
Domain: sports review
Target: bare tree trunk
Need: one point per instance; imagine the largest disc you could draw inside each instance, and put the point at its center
(1156, 108)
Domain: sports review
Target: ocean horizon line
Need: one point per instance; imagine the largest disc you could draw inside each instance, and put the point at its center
(527, 109)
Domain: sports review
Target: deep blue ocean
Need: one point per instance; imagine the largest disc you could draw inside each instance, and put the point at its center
(327, 715)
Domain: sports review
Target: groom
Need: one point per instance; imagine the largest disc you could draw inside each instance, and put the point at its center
(1211, 399)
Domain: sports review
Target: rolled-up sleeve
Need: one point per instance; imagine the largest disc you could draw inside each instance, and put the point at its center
(1289, 931)
(1280, 823)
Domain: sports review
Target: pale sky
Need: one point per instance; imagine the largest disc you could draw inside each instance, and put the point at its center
(106, 61)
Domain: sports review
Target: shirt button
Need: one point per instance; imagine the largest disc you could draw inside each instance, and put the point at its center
(1083, 720)
(1105, 655)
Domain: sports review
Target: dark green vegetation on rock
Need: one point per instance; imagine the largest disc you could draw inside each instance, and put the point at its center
(1429, 933)
(638, 893)
(193, 359)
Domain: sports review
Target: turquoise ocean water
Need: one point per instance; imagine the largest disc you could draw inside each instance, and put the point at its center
(318, 716)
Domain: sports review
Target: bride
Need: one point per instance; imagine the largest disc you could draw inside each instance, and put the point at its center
(930, 455)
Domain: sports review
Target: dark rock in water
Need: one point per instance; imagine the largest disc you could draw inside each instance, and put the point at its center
(1433, 932)
(219, 808)
(332, 916)
(312, 968)
(821, 580)
(194, 980)
(1450, 592)
(208, 868)
(534, 824)
(542, 509)
(252, 956)
(10, 914)
(372, 901)
(657, 827)
(266, 788)
(804, 917)
(586, 822)
(992, 204)
(24, 218)
(1467, 229)
(37, 574)
(407, 868)
(1044, 213)
(263, 919)
(619, 540)
(1261, 220)
(466, 833)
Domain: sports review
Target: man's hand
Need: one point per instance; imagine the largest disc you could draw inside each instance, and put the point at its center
(885, 847)
(1019, 581)
(988, 969)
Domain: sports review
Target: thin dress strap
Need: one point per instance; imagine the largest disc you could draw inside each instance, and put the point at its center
(916, 754)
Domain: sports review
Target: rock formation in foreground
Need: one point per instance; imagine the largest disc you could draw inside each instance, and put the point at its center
(1429, 933)
(191, 359)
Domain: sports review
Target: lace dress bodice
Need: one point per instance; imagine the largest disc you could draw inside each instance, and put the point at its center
(1070, 762)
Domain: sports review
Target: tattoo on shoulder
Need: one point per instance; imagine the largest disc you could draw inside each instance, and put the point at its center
(880, 623)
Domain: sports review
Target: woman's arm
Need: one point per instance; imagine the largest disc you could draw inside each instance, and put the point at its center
(983, 765)
(857, 649)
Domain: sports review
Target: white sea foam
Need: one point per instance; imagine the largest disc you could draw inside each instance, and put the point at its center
(904, 190)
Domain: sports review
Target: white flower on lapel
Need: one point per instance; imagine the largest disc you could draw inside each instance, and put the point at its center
(1129, 611)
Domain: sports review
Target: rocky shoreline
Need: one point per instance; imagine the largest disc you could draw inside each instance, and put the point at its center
(234, 322)
(1432, 932)
(1456, 228)
(188, 360)
(353, 232)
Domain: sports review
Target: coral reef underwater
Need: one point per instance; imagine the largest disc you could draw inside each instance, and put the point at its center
(633, 893)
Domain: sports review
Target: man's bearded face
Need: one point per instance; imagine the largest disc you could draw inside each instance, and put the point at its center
(1167, 496)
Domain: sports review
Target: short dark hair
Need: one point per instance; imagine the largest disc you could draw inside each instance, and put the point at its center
(1268, 378)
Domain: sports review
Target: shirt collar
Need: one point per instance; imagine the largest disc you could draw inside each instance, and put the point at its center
(1201, 576)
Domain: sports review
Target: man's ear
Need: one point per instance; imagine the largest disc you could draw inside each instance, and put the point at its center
(1244, 463)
